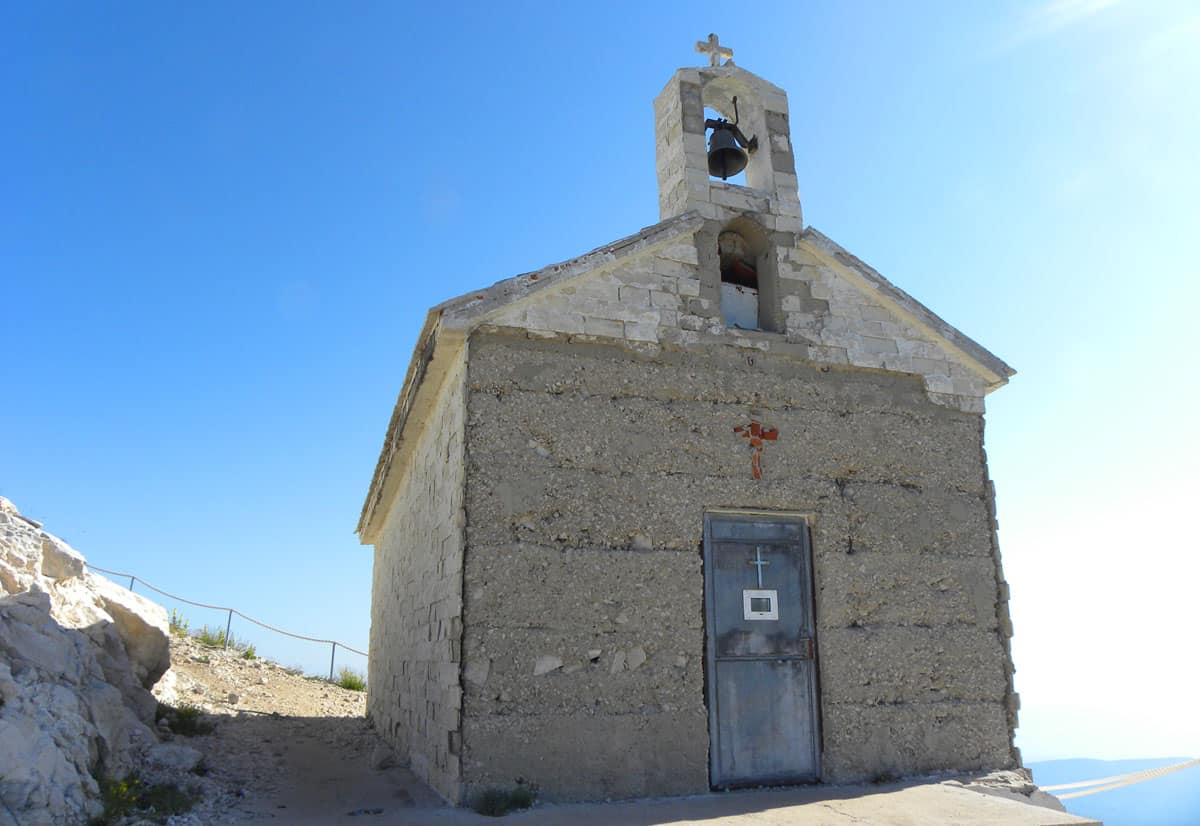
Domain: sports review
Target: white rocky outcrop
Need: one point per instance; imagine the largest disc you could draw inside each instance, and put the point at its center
(78, 656)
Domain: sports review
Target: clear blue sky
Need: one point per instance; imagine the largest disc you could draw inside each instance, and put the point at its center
(222, 223)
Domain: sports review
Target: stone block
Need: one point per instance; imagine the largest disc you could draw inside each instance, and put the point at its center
(926, 366)
(554, 319)
(641, 331)
(664, 300)
(871, 344)
(820, 290)
(870, 312)
(604, 327)
(684, 252)
(635, 296)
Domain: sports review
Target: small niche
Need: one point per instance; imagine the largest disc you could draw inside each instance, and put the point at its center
(739, 281)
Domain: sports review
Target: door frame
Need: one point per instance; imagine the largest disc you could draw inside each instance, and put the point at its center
(710, 643)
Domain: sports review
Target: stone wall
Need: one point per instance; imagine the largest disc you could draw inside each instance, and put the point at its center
(590, 466)
(414, 693)
(671, 295)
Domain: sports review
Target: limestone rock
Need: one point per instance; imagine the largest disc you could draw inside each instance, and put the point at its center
(60, 560)
(545, 664)
(60, 721)
(142, 625)
(1014, 784)
(174, 757)
(382, 757)
(77, 655)
(476, 671)
(167, 690)
(635, 657)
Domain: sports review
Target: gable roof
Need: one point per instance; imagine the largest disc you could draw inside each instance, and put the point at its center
(448, 324)
(892, 295)
(476, 304)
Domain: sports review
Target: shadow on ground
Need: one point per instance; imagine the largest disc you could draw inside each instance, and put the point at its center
(305, 771)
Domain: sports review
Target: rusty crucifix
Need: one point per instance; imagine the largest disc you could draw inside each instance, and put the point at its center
(757, 436)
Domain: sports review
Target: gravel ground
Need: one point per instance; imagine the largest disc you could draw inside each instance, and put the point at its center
(282, 745)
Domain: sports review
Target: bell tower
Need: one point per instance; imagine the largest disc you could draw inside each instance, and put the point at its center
(770, 193)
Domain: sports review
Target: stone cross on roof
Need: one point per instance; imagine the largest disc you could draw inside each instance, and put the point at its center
(715, 51)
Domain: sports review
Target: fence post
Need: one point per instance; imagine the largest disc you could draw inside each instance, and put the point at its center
(332, 654)
(228, 623)
(131, 579)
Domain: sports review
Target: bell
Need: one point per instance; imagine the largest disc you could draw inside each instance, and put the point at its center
(725, 157)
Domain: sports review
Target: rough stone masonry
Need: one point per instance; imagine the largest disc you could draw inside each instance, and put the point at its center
(538, 508)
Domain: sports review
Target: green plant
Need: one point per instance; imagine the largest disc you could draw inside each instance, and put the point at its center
(499, 802)
(187, 720)
(217, 638)
(122, 798)
(166, 799)
(119, 798)
(212, 637)
(353, 680)
(249, 654)
(178, 624)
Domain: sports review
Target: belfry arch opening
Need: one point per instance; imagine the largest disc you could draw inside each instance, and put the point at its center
(717, 99)
(748, 290)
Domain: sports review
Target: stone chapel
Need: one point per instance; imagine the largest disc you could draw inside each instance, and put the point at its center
(705, 507)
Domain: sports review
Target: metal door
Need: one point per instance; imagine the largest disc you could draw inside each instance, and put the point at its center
(762, 681)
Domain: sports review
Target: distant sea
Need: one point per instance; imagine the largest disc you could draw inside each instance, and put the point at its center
(1173, 800)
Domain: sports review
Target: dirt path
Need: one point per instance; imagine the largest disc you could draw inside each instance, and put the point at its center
(283, 747)
(292, 750)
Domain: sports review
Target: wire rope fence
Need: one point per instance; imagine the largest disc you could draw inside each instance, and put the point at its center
(231, 612)
(1105, 784)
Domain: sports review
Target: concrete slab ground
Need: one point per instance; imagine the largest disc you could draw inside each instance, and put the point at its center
(305, 771)
(933, 804)
(396, 798)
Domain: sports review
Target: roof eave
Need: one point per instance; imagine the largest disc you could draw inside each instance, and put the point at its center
(423, 352)
(991, 368)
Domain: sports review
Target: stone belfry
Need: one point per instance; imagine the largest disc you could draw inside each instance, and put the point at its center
(684, 183)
